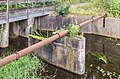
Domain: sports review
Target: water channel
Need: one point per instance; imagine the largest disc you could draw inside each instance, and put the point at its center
(102, 58)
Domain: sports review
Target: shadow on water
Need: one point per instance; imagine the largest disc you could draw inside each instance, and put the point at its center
(102, 59)
(16, 44)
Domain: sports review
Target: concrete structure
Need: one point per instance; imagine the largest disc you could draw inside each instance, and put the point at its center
(9, 15)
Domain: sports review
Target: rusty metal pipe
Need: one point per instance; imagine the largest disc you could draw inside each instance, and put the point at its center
(30, 49)
(92, 20)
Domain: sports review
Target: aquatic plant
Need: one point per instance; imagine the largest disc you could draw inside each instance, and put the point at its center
(118, 44)
(110, 74)
(113, 41)
(103, 69)
(102, 57)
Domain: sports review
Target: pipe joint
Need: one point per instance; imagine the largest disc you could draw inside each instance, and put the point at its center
(58, 35)
(92, 20)
(104, 15)
(17, 55)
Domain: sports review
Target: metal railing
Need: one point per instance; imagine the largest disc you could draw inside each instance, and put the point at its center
(24, 8)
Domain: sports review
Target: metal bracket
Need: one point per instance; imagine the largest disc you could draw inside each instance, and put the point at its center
(104, 19)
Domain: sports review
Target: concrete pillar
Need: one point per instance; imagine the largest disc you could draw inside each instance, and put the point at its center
(4, 36)
(29, 29)
(71, 55)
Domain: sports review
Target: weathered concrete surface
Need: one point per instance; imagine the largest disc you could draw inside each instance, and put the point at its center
(69, 55)
(110, 47)
(58, 22)
(111, 29)
(4, 36)
(19, 28)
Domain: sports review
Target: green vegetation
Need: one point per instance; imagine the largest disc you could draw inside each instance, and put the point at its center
(73, 30)
(96, 7)
(104, 67)
(24, 68)
(37, 37)
(40, 34)
(111, 75)
(111, 6)
(113, 41)
(63, 8)
(25, 5)
(88, 9)
(102, 57)
(114, 8)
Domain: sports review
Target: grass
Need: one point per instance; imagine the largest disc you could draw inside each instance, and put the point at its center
(24, 68)
(96, 7)
(88, 9)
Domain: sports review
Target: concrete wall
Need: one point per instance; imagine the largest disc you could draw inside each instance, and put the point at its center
(68, 55)
(22, 28)
(111, 29)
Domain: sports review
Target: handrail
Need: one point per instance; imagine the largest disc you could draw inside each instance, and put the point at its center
(30, 49)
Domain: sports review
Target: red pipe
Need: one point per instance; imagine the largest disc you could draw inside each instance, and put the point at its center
(30, 49)
(92, 20)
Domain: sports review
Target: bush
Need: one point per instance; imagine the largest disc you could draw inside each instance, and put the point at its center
(73, 30)
(63, 8)
(111, 6)
(24, 68)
